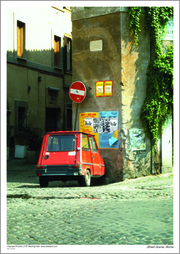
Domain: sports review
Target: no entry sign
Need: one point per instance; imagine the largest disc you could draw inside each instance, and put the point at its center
(77, 92)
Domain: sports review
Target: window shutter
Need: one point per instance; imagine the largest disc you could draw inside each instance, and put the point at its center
(20, 38)
(56, 51)
(18, 41)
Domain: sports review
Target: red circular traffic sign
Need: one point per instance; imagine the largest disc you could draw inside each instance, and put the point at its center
(77, 91)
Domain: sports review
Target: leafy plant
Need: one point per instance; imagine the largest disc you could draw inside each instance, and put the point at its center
(32, 136)
(158, 103)
(135, 13)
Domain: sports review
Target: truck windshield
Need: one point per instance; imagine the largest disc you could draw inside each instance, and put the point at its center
(61, 143)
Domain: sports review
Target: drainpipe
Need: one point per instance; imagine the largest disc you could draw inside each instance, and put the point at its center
(152, 160)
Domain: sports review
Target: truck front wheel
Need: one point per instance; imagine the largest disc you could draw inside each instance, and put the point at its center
(87, 178)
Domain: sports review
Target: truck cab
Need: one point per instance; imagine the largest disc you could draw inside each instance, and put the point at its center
(69, 155)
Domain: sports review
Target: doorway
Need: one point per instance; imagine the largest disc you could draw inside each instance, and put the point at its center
(53, 116)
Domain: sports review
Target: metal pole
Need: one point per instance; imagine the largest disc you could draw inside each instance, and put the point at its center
(75, 121)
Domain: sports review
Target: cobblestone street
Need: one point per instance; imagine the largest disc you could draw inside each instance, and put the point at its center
(133, 212)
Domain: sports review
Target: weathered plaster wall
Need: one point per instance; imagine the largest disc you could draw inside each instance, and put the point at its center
(124, 63)
(90, 67)
(134, 63)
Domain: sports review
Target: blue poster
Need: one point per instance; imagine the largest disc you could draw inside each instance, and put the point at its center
(108, 136)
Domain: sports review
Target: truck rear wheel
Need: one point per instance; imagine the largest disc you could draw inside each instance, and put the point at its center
(43, 181)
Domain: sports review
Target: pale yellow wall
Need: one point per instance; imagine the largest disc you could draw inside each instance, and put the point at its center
(42, 23)
(19, 78)
(16, 89)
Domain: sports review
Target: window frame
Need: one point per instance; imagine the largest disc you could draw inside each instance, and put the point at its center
(92, 144)
(58, 137)
(86, 149)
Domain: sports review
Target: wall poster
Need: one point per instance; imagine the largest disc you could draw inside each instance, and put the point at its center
(137, 139)
(104, 125)
(104, 88)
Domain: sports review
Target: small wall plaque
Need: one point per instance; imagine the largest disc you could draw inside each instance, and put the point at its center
(96, 45)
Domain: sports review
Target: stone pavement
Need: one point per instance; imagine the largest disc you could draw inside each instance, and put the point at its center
(133, 212)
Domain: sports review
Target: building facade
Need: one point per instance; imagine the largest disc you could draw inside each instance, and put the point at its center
(113, 70)
(39, 70)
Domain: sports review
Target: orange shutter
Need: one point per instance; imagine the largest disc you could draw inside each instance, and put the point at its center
(19, 41)
(56, 52)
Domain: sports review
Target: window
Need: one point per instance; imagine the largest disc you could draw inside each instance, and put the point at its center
(57, 50)
(67, 54)
(21, 108)
(20, 39)
(93, 145)
(85, 143)
(169, 31)
(61, 143)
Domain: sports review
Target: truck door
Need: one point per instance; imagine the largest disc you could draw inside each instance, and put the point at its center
(86, 154)
(60, 150)
(95, 156)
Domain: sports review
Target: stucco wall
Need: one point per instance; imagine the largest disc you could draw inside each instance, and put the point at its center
(28, 78)
(90, 66)
(19, 78)
(134, 63)
(123, 63)
(41, 24)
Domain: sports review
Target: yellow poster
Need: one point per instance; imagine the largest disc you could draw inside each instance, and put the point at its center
(108, 88)
(86, 123)
(104, 88)
(99, 88)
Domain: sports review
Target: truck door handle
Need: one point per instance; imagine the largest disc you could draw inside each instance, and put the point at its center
(46, 157)
(92, 158)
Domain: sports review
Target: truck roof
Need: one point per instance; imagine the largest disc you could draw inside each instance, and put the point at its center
(67, 132)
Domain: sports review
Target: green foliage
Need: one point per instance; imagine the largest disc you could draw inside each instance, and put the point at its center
(135, 13)
(159, 100)
(156, 20)
(159, 96)
(32, 136)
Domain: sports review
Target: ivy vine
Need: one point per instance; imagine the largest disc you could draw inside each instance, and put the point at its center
(158, 103)
(135, 13)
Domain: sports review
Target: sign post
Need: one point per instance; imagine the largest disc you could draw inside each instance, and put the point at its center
(77, 93)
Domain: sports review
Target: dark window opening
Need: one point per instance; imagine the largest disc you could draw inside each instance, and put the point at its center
(21, 118)
(21, 110)
(67, 54)
(53, 116)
